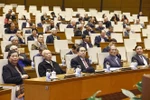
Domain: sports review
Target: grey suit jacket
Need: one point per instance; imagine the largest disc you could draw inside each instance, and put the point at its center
(111, 60)
(36, 46)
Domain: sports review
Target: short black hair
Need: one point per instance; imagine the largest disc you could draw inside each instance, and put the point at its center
(34, 29)
(137, 46)
(11, 52)
(74, 47)
(113, 40)
(84, 36)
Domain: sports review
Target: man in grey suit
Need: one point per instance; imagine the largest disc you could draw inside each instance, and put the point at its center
(112, 59)
(139, 57)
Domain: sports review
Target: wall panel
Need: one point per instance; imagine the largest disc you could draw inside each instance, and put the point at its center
(111, 3)
(73, 3)
(20, 2)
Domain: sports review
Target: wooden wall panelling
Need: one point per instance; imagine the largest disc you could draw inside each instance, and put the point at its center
(146, 7)
(52, 3)
(111, 5)
(19, 2)
(74, 4)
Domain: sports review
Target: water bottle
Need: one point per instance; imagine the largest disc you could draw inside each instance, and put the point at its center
(48, 75)
(107, 67)
(32, 65)
(63, 62)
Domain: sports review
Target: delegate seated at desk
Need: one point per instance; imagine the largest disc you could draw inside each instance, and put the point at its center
(112, 59)
(139, 57)
(47, 63)
(12, 72)
(81, 61)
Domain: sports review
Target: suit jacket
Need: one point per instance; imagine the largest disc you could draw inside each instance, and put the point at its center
(39, 25)
(43, 66)
(108, 24)
(98, 40)
(36, 46)
(112, 62)
(11, 75)
(78, 33)
(77, 61)
(7, 48)
(86, 32)
(126, 34)
(50, 39)
(9, 31)
(70, 26)
(83, 44)
(99, 29)
(43, 18)
(24, 24)
(69, 53)
(30, 38)
(24, 62)
(139, 60)
(108, 33)
(91, 25)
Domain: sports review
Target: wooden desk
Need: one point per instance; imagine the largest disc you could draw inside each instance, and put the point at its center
(5, 94)
(83, 87)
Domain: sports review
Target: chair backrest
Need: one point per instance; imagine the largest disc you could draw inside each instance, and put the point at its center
(118, 28)
(78, 41)
(7, 36)
(117, 36)
(101, 57)
(136, 28)
(148, 26)
(136, 36)
(130, 55)
(60, 44)
(69, 33)
(33, 53)
(44, 9)
(2, 63)
(93, 53)
(62, 27)
(30, 44)
(145, 32)
(146, 44)
(5, 54)
(63, 53)
(68, 60)
(54, 58)
(26, 36)
(129, 44)
(122, 52)
(143, 18)
(92, 36)
(148, 35)
(37, 60)
(32, 8)
(4, 44)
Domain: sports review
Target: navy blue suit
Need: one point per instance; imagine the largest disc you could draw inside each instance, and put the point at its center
(78, 33)
(139, 60)
(50, 39)
(111, 60)
(99, 28)
(30, 38)
(9, 31)
(86, 32)
(77, 61)
(24, 24)
(83, 44)
(108, 24)
(98, 40)
(39, 25)
(70, 26)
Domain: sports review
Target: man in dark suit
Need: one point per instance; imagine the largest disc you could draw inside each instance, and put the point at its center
(101, 38)
(78, 31)
(28, 23)
(44, 17)
(139, 57)
(33, 36)
(86, 42)
(82, 62)
(12, 29)
(107, 22)
(72, 24)
(73, 50)
(110, 31)
(47, 63)
(52, 37)
(100, 27)
(88, 30)
(112, 59)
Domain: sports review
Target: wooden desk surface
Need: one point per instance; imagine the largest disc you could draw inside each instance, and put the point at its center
(83, 87)
(5, 94)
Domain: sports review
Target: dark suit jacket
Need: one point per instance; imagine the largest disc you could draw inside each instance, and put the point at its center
(25, 61)
(91, 25)
(98, 40)
(86, 32)
(99, 29)
(138, 59)
(69, 26)
(9, 31)
(43, 66)
(108, 24)
(50, 39)
(30, 38)
(39, 25)
(69, 53)
(43, 18)
(77, 61)
(83, 44)
(24, 24)
(78, 33)
(11, 75)
(111, 60)
(108, 33)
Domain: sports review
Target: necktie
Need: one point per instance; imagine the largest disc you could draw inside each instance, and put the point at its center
(117, 61)
(85, 63)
